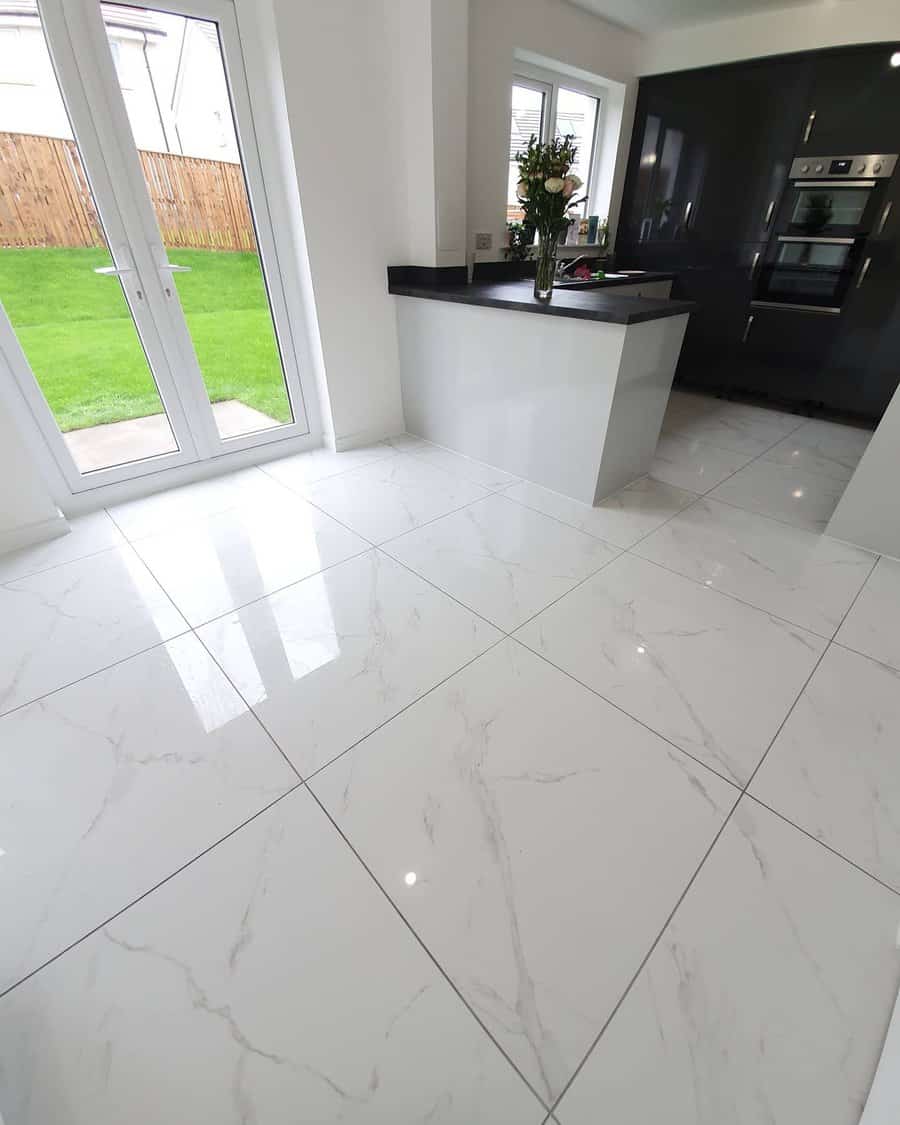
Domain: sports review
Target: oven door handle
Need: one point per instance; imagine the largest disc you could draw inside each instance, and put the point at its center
(817, 241)
(833, 183)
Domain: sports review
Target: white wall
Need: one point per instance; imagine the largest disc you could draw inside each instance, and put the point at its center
(554, 29)
(27, 511)
(868, 513)
(335, 61)
(773, 32)
(450, 99)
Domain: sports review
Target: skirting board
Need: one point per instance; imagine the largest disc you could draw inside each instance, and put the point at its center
(15, 538)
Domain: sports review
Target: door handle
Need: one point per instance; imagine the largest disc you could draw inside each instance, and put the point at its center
(885, 214)
(688, 211)
(863, 272)
(747, 328)
(115, 271)
(770, 211)
(755, 263)
(810, 121)
(172, 268)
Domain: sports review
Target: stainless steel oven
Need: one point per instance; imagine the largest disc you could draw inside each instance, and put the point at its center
(829, 209)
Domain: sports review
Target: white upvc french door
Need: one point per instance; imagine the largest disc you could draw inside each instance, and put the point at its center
(177, 349)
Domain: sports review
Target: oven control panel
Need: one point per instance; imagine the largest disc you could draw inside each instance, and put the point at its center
(878, 166)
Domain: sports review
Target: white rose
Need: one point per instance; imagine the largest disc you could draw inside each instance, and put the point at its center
(554, 185)
(570, 185)
(522, 189)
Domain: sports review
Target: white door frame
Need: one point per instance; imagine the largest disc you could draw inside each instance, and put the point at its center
(82, 58)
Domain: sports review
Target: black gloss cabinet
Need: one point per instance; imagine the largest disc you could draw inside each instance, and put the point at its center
(709, 162)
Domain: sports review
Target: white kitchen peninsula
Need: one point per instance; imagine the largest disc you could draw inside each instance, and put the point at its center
(569, 394)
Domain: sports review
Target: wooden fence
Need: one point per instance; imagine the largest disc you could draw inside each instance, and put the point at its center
(45, 199)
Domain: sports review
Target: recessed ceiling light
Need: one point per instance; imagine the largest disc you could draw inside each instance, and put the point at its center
(410, 878)
(797, 494)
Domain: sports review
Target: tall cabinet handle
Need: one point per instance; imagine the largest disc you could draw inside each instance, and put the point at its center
(885, 215)
(688, 211)
(810, 121)
(747, 328)
(863, 272)
(770, 211)
(755, 263)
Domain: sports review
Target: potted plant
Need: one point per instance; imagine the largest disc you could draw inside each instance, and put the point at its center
(546, 192)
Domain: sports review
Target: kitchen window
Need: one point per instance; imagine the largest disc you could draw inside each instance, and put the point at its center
(548, 109)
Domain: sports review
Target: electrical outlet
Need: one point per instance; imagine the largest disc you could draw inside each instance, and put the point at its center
(484, 241)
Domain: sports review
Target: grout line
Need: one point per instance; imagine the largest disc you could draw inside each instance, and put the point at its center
(822, 843)
(259, 597)
(390, 718)
(441, 590)
(808, 678)
(646, 957)
(63, 562)
(250, 710)
(150, 890)
(680, 749)
(734, 597)
(420, 941)
(865, 656)
(95, 672)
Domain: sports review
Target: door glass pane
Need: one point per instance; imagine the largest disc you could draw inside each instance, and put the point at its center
(527, 121)
(73, 323)
(173, 81)
(576, 115)
(818, 208)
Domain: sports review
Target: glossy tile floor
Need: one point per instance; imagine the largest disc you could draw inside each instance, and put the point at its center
(383, 787)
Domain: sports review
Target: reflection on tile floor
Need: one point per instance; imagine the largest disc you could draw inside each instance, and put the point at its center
(633, 860)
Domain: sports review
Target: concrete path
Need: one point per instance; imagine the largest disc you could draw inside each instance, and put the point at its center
(99, 447)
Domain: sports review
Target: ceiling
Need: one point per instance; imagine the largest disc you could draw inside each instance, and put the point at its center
(657, 15)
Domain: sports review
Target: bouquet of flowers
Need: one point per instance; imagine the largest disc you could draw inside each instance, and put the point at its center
(546, 190)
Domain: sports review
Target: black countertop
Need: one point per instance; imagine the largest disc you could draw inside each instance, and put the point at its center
(638, 277)
(583, 303)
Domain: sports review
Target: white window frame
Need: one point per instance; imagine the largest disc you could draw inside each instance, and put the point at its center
(201, 451)
(550, 83)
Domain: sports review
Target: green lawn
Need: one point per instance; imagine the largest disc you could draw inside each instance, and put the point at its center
(77, 333)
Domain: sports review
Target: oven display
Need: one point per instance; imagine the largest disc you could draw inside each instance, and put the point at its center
(839, 167)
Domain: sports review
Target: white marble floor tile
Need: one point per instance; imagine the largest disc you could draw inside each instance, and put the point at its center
(873, 624)
(87, 535)
(268, 982)
(218, 564)
(326, 661)
(535, 838)
(766, 1000)
(834, 768)
(743, 429)
(712, 675)
(455, 463)
(504, 561)
(77, 618)
(796, 574)
(822, 447)
(795, 496)
(389, 497)
(111, 784)
(302, 469)
(192, 502)
(694, 465)
(685, 405)
(621, 519)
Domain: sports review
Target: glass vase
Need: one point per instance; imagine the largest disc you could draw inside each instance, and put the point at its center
(545, 270)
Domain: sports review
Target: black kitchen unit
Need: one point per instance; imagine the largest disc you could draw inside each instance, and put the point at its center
(769, 188)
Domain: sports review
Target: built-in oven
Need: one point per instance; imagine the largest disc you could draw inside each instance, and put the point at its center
(830, 207)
